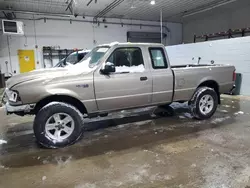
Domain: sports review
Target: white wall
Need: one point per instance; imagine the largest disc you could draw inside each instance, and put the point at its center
(73, 35)
(227, 51)
(232, 16)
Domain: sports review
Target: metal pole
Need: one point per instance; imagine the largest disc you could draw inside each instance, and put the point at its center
(8, 43)
(161, 25)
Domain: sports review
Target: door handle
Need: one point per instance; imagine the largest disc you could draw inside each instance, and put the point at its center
(144, 78)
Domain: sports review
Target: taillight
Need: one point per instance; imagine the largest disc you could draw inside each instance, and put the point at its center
(234, 75)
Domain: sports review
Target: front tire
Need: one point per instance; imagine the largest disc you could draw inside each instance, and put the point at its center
(204, 103)
(58, 125)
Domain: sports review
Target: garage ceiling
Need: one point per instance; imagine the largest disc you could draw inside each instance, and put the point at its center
(124, 9)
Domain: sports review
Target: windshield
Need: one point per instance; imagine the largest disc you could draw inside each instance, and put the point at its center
(95, 55)
(61, 63)
(72, 58)
(75, 57)
(88, 63)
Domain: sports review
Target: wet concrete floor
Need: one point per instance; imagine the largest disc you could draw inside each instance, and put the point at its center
(137, 148)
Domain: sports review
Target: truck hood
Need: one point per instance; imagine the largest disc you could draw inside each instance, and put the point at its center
(42, 74)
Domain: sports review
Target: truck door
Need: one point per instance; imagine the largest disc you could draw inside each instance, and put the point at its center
(162, 75)
(131, 84)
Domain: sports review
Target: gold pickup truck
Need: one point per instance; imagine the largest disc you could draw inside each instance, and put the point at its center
(112, 77)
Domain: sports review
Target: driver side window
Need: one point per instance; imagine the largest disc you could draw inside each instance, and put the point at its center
(127, 60)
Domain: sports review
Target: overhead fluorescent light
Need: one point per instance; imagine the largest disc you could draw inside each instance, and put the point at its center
(133, 5)
(152, 2)
(208, 8)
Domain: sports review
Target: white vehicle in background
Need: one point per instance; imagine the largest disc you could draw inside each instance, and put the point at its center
(73, 58)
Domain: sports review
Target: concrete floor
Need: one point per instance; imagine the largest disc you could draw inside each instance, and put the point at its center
(135, 149)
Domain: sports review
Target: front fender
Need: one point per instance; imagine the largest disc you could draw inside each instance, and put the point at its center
(61, 91)
(88, 101)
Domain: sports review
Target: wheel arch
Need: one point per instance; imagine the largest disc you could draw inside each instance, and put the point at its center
(61, 98)
(212, 84)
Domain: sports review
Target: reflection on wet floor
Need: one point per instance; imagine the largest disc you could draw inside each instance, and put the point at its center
(139, 128)
(130, 128)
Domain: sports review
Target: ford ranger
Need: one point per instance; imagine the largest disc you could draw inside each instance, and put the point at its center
(112, 77)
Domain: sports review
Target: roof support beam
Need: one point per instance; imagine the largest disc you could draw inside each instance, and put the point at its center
(110, 7)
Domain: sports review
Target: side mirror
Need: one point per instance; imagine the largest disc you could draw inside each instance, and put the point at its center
(108, 68)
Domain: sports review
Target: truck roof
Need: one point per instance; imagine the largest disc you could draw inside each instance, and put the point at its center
(131, 43)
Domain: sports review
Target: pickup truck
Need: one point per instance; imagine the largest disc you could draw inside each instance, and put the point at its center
(112, 77)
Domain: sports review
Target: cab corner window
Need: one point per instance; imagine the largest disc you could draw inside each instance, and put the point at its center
(127, 60)
(158, 58)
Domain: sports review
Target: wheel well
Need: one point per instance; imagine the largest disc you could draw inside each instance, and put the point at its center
(61, 98)
(214, 85)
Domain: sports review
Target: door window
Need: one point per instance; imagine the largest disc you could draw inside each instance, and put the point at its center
(127, 60)
(158, 58)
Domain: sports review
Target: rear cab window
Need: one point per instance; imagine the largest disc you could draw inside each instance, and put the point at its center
(127, 60)
(158, 58)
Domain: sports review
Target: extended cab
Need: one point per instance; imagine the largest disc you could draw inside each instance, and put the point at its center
(112, 77)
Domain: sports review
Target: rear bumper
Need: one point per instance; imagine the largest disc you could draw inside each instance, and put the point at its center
(227, 88)
(17, 109)
(232, 90)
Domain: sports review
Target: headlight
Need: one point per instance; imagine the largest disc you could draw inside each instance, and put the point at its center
(12, 95)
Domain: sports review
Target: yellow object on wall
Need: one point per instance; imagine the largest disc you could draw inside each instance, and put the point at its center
(26, 60)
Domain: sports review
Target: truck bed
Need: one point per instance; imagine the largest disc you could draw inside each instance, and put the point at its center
(192, 65)
(189, 77)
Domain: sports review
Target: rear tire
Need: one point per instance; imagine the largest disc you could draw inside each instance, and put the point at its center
(204, 103)
(58, 125)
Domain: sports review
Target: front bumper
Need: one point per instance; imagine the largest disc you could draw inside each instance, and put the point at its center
(16, 109)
